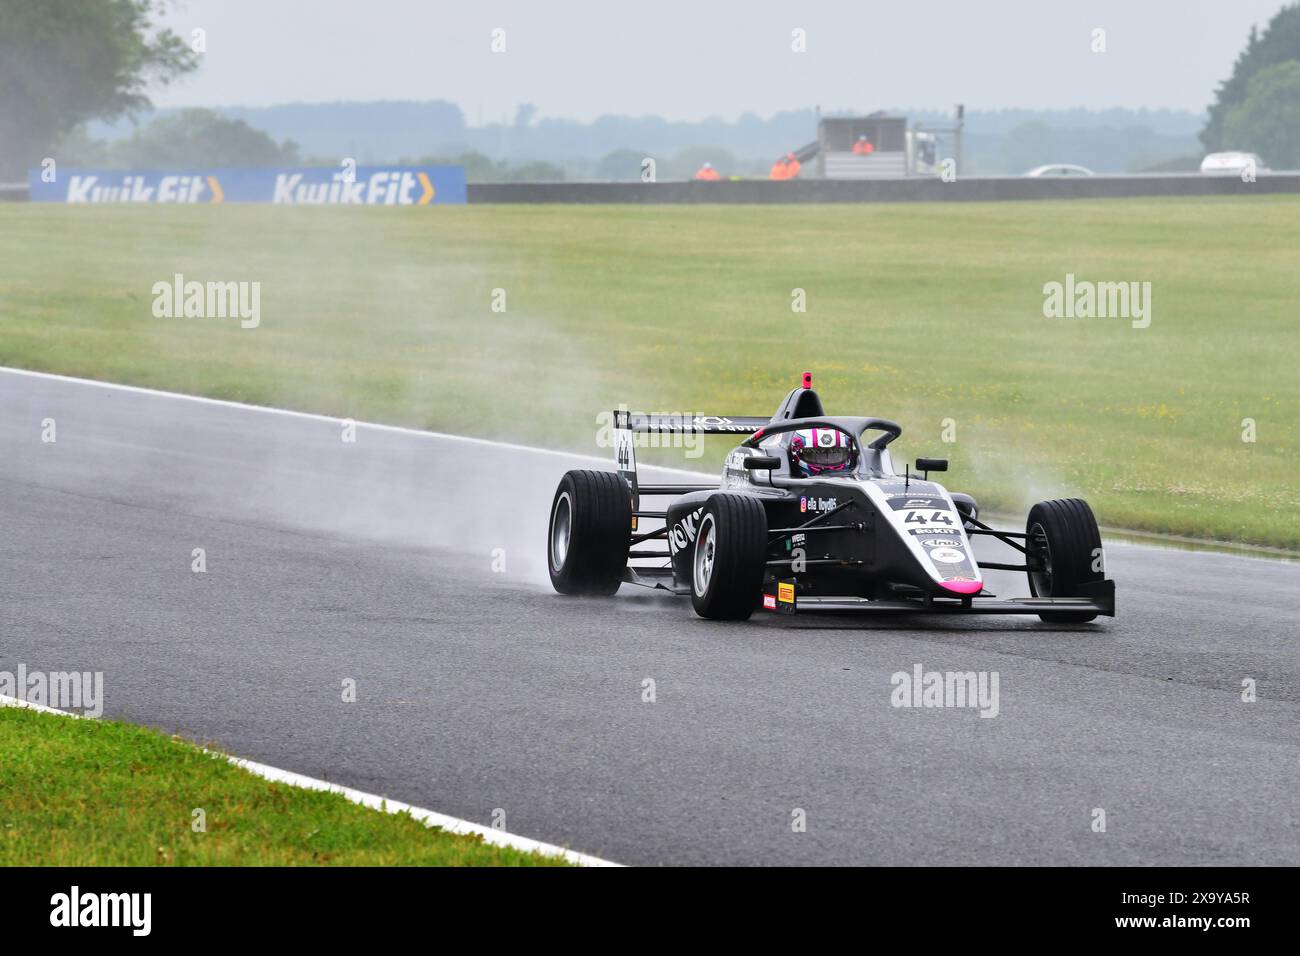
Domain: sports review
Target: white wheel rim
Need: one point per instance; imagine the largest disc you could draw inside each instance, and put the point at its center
(561, 529)
(705, 546)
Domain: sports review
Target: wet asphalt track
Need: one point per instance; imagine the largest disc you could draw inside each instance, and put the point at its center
(481, 690)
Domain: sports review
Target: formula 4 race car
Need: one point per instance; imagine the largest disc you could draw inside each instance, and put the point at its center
(810, 515)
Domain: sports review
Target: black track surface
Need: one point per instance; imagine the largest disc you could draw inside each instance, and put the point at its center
(481, 689)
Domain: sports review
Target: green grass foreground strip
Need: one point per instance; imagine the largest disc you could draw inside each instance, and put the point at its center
(927, 313)
(104, 793)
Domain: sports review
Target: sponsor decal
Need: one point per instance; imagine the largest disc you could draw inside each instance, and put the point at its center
(677, 422)
(683, 532)
(947, 556)
(903, 503)
(945, 547)
(769, 602)
(898, 488)
(785, 592)
(818, 504)
(734, 471)
(327, 185)
(798, 540)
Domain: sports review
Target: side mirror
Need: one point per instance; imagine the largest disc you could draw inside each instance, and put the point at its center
(931, 464)
(762, 463)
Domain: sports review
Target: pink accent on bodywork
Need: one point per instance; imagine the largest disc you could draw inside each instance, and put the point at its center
(963, 587)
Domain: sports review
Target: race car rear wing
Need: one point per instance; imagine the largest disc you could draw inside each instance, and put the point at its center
(627, 423)
(696, 424)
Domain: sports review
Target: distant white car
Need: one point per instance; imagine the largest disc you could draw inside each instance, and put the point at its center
(1060, 169)
(1232, 162)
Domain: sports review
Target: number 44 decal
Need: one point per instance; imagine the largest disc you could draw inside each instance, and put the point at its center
(936, 517)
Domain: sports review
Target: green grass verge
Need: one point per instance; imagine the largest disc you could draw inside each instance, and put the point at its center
(103, 793)
(920, 312)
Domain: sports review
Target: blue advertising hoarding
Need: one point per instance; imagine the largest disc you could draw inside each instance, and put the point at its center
(306, 186)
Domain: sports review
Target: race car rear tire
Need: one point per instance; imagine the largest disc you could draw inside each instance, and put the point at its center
(1064, 543)
(589, 533)
(729, 558)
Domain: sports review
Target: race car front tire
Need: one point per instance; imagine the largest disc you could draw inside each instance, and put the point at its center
(589, 533)
(1064, 546)
(729, 558)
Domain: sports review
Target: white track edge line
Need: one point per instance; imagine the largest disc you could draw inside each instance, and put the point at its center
(315, 417)
(429, 818)
(1228, 550)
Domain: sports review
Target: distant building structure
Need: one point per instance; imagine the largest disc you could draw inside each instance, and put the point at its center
(876, 146)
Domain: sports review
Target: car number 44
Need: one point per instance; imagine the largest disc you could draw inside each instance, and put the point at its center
(935, 517)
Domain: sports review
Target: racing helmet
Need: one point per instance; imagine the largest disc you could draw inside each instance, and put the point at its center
(818, 451)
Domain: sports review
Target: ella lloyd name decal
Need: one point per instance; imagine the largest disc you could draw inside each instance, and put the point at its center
(817, 504)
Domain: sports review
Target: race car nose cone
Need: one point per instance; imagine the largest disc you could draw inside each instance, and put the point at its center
(963, 587)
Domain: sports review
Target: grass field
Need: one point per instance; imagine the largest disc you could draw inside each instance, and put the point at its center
(919, 312)
(102, 793)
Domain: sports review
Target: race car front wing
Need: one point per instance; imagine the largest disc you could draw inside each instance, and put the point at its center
(1098, 597)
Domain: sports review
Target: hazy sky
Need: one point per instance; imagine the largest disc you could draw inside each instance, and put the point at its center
(688, 60)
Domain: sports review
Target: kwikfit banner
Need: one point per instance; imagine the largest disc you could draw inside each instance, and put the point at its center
(355, 185)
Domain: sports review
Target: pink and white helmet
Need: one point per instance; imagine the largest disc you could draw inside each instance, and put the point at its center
(818, 451)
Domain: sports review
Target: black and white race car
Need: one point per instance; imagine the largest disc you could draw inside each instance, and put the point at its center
(810, 515)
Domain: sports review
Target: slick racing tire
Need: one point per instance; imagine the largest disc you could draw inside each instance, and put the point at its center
(729, 558)
(1064, 545)
(589, 533)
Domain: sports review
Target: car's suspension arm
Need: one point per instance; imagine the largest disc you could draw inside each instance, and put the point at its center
(995, 566)
(814, 524)
(1003, 536)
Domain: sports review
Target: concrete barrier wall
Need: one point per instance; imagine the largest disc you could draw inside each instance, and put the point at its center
(884, 190)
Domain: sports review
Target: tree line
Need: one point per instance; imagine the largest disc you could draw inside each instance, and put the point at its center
(65, 63)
